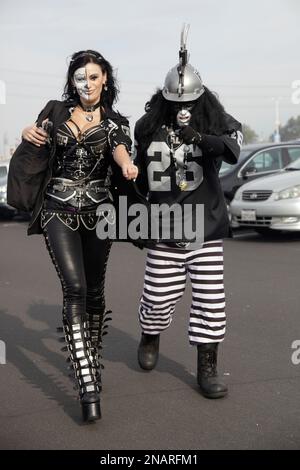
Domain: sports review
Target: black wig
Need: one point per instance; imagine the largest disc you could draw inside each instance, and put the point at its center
(208, 114)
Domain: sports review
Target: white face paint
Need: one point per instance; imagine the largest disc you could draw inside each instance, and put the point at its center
(81, 83)
(183, 117)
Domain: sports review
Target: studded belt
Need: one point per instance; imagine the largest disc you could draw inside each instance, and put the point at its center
(88, 219)
(77, 194)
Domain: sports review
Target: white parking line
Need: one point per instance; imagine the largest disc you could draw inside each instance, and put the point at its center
(12, 224)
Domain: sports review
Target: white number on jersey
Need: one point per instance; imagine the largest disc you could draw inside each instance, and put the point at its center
(161, 151)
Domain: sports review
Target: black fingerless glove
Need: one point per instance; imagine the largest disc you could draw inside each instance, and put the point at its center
(189, 135)
(211, 145)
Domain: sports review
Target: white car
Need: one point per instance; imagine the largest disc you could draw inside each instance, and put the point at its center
(269, 203)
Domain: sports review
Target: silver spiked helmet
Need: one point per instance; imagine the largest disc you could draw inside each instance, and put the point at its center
(183, 82)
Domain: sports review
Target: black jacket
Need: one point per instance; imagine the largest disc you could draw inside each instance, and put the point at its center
(31, 166)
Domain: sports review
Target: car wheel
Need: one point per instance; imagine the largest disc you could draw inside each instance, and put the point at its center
(227, 201)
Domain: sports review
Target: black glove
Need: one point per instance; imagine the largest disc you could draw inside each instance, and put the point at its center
(189, 135)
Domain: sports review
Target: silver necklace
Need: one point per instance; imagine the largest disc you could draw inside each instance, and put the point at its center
(89, 111)
(181, 174)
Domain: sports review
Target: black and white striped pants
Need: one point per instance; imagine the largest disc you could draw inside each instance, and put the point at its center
(164, 284)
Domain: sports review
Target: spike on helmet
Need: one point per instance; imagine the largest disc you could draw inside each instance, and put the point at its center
(183, 82)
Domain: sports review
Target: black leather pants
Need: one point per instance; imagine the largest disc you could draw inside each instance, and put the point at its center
(80, 259)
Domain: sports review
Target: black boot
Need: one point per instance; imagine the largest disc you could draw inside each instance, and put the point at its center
(148, 351)
(207, 377)
(97, 326)
(79, 346)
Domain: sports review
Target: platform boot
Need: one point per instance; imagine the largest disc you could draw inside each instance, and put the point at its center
(79, 346)
(97, 326)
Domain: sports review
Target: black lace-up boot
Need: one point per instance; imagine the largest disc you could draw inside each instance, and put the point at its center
(79, 346)
(207, 377)
(97, 326)
(148, 351)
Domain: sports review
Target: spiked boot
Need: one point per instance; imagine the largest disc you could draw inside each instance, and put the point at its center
(97, 326)
(79, 347)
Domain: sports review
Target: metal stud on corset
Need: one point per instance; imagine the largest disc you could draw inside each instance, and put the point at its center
(78, 173)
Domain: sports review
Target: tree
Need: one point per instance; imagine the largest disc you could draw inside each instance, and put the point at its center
(291, 130)
(249, 134)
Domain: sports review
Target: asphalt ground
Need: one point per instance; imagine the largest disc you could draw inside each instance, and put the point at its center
(162, 409)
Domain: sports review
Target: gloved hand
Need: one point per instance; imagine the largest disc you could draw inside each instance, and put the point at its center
(189, 135)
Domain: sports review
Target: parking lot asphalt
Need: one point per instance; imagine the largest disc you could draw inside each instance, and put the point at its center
(162, 409)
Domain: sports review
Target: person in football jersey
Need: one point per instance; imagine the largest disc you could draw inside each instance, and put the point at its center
(181, 142)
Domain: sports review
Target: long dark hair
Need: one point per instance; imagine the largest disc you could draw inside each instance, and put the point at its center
(208, 114)
(80, 59)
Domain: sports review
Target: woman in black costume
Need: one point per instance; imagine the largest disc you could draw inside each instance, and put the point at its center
(63, 183)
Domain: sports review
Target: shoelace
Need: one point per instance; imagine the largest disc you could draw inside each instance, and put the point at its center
(207, 365)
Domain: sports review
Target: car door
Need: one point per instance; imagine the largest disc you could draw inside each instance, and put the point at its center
(265, 162)
(292, 154)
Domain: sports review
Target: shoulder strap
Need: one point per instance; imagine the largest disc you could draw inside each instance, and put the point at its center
(77, 127)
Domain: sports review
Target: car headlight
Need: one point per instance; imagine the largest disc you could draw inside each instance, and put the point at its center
(288, 193)
(2, 189)
(238, 195)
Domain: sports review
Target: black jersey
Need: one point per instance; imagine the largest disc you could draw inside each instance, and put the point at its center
(160, 174)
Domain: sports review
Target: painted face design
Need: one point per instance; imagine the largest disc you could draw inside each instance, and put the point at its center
(188, 105)
(182, 112)
(183, 117)
(81, 82)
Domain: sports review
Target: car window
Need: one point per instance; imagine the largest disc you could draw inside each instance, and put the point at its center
(3, 171)
(226, 167)
(295, 165)
(294, 153)
(267, 160)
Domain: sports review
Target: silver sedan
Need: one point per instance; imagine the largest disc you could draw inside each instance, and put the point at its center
(271, 202)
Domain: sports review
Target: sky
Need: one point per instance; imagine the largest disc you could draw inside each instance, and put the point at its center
(247, 52)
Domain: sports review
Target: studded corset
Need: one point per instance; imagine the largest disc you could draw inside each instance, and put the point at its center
(81, 176)
(76, 157)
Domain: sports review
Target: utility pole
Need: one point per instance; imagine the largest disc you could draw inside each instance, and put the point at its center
(277, 137)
